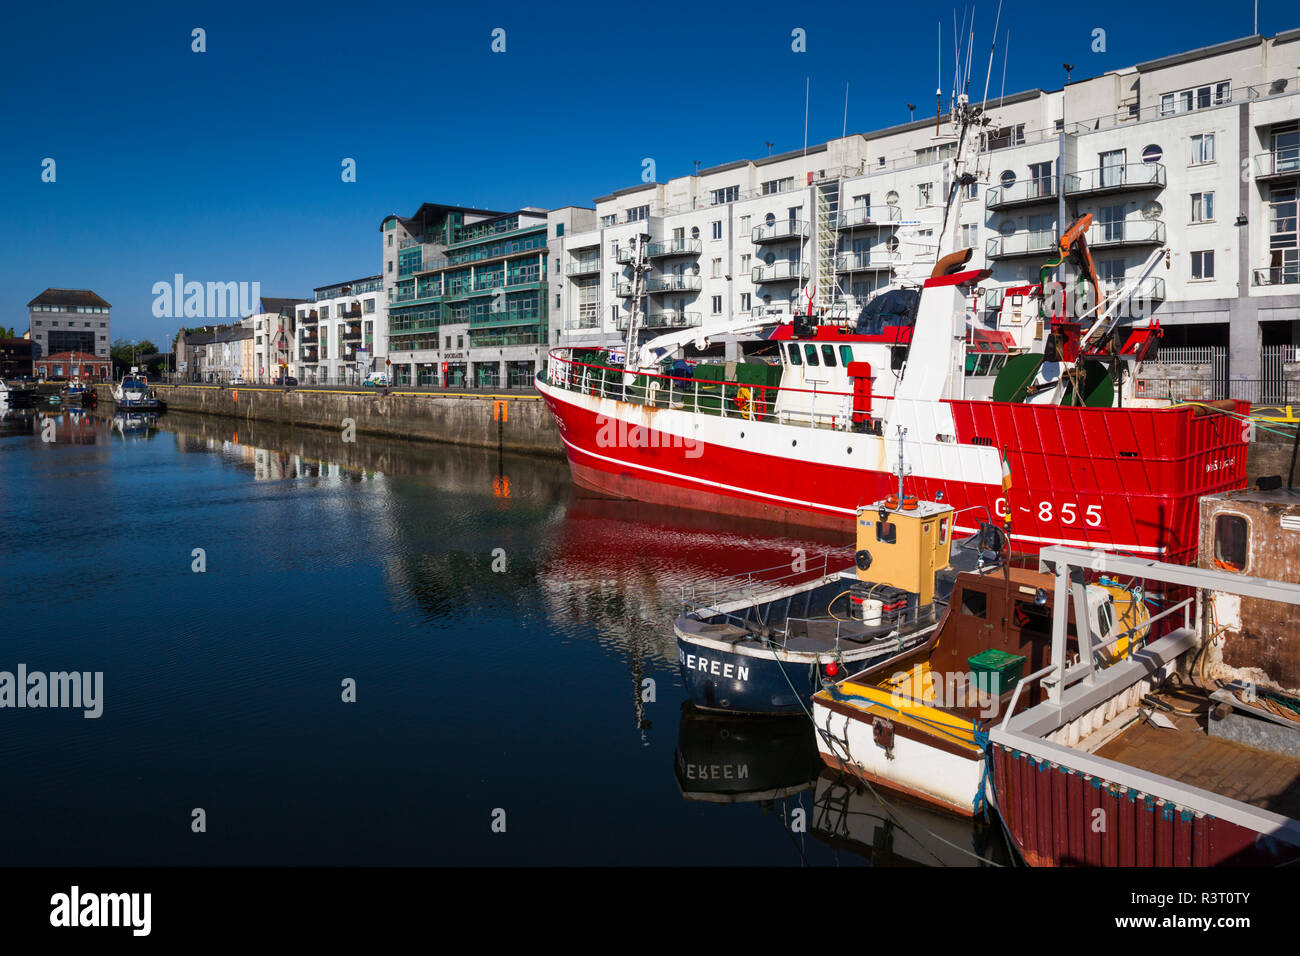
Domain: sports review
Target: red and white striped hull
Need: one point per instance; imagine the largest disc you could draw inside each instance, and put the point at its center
(1121, 479)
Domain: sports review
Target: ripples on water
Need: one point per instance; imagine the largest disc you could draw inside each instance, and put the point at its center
(476, 689)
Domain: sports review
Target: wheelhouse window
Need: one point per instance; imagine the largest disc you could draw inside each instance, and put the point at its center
(1231, 542)
(846, 355)
(828, 355)
(794, 354)
(810, 352)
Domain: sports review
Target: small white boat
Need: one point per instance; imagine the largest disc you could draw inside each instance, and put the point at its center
(134, 393)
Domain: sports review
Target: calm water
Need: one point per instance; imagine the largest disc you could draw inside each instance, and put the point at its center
(477, 690)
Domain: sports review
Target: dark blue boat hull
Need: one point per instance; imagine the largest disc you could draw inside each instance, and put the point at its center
(741, 684)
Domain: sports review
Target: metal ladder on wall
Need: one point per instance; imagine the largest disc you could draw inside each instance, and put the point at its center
(828, 209)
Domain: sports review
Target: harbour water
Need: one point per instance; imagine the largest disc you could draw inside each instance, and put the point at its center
(510, 641)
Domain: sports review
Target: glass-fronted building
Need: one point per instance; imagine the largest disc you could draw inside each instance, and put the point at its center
(467, 296)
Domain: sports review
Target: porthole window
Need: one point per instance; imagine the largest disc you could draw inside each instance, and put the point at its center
(695, 232)
(1231, 542)
(891, 198)
(770, 258)
(1008, 227)
(1007, 179)
(770, 220)
(1152, 210)
(1152, 154)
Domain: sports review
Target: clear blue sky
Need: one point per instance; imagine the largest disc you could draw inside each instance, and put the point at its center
(225, 165)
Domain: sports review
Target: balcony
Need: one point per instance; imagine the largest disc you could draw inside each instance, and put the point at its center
(781, 271)
(674, 247)
(1137, 233)
(663, 283)
(1115, 179)
(1150, 289)
(586, 320)
(779, 232)
(1025, 193)
(312, 316)
(666, 319)
(584, 267)
(1020, 244)
(861, 216)
(625, 255)
(350, 314)
(863, 261)
(1278, 163)
(1288, 274)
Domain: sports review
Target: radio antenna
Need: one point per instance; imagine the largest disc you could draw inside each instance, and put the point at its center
(992, 50)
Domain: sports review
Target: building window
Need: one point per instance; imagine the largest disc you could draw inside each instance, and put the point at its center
(717, 268)
(725, 195)
(559, 230)
(924, 192)
(717, 305)
(778, 186)
(638, 213)
(1231, 542)
(369, 304)
(970, 190)
(608, 221)
(1202, 207)
(390, 242)
(744, 302)
(717, 229)
(1197, 98)
(390, 265)
(744, 225)
(1203, 264)
(1202, 149)
(970, 233)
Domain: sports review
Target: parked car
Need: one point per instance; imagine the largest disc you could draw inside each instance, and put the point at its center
(286, 380)
(377, 380)
(238, 380)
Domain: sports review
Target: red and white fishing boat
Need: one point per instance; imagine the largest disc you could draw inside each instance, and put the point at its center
(810, 440)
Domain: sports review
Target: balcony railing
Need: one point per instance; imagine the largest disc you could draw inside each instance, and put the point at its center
(869, 216)
(780, 231)
(583, 267)
(1020, 244)
(1109, 179)
(667, 319)
(782, 271)
(1150, 289)
(1024, 193)
(674, 247)
(1278, 162)
(1288, 274)
(663, 283)
(1147, 232)
(862, 261)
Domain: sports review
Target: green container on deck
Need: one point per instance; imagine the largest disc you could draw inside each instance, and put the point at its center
(996, 672)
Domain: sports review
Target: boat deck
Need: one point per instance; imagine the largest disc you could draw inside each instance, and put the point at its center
(1260, 778)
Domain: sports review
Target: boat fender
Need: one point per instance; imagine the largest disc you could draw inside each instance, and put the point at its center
(862, 559)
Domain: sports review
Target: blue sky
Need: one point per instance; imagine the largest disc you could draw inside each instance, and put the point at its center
(225, 165)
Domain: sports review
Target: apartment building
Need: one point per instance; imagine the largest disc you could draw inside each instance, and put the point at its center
(342, 334)
(467, 292)
(69, 320)
(274, 339)
(1199, 152)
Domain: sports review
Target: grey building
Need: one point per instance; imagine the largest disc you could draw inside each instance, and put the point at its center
(69, 320)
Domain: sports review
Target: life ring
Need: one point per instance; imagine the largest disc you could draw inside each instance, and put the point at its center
(909, 503)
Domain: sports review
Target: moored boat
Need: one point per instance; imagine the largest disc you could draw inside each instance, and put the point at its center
(1187, 753)
(134, 394)
(766, 649)
(919, 724)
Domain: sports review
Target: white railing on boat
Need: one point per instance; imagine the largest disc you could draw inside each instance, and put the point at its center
(830, 409)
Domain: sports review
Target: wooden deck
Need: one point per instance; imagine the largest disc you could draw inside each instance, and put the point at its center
(1262, 779)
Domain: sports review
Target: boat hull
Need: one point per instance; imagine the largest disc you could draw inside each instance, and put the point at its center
(1120, 479)
(755, 679)
(947, 774)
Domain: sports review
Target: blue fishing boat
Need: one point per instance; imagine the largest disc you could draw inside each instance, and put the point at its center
(134, 394)
(767, 648)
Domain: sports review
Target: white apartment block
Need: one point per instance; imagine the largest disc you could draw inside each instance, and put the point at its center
(1199, 151)
(342, 335)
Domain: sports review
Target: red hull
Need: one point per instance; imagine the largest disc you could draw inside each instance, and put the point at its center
(1122, 479)
(1051, 813)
